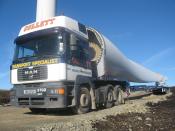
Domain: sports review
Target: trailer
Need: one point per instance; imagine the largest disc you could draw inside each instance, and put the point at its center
(61, 63)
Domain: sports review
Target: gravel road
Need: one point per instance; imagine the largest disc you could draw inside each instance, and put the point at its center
(159, 117)
(12, 118)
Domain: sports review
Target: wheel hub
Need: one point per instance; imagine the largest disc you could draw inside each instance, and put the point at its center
(84, 101)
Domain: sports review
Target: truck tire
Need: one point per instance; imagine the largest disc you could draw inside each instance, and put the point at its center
(37, 110)
(84, 102)
(109, 99)
(118, 92)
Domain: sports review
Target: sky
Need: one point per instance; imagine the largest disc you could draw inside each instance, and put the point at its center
(144, 30)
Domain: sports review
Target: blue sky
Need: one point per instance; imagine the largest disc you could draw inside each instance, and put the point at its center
(144, 30)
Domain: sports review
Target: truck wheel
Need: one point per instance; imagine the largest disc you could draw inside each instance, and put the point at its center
(37, 110)
(119, 96)
(84, 102)
(109, 99)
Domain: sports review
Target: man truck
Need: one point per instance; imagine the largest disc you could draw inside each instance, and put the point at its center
(61, 63)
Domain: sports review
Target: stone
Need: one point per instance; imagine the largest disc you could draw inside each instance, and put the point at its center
(149, 125)
(148, 119)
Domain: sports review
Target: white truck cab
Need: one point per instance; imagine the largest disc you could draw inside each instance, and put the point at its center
(44, 47)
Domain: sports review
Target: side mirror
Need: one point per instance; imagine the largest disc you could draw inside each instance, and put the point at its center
(73, 48)
(73, 42)
(61, 47)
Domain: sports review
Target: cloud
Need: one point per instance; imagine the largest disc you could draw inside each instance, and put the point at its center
(158, 56)
(170, 69)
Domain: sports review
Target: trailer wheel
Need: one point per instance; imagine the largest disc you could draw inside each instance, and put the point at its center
(109, 99)
(84, 101)
(119, 96)
(37, 110)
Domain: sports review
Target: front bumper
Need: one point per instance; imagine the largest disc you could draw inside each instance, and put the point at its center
(41, 96)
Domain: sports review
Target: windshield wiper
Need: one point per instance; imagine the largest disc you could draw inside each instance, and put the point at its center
(48, 56)
(23, 59)
(20, 59)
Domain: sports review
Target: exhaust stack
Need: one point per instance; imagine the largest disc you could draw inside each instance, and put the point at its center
(45, 9)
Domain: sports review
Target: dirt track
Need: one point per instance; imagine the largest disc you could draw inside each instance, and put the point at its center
(160, 117)
(12, 118)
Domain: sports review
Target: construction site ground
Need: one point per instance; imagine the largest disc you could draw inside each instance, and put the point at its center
(141, 112)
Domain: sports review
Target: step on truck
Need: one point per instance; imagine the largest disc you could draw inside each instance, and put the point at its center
(61, 63)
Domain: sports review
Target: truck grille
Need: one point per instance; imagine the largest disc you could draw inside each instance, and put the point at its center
(23, 101)
(30, 101)
(35, 73)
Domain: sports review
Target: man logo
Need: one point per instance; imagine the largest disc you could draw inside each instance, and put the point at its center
(31, 76)
(31, 72)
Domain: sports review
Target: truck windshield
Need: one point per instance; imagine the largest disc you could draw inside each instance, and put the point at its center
(40, 47)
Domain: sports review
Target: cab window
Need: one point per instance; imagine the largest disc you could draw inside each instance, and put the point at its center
(79, 52)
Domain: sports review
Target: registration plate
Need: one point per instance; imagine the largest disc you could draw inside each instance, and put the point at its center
(38, 91)
(29, 92)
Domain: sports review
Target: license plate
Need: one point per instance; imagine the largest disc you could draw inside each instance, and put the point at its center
(29, 92)
(38, 91)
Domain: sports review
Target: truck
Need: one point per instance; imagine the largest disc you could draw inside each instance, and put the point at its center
(61, 63)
